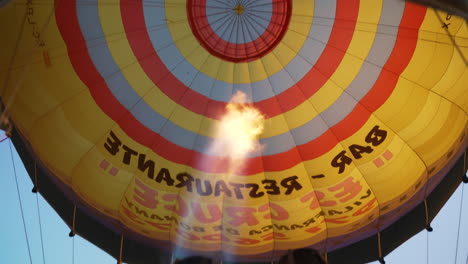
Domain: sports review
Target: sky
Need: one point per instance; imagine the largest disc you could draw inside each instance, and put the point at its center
(58, 248)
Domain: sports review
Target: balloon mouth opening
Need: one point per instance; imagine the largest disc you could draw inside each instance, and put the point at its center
(218, 32)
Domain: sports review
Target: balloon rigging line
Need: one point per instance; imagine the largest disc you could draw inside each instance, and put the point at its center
(459, 220)
(40, 227)
(21, 204)
(379, 245)
(452, 38)
(121, 248)
(427, 247)
(39, 213)
(4, 139)
(73, 250)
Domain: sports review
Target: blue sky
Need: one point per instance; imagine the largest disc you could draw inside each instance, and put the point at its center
(58, 246)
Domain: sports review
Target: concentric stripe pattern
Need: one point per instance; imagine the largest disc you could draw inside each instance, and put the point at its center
(365, 105)
(295, 77)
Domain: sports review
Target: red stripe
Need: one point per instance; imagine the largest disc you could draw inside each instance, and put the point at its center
(341, 35)
(242, 52)
(68, 24)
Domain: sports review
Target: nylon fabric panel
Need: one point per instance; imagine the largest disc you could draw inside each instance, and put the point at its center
(364, 106)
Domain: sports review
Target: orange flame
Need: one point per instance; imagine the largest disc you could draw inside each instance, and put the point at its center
(237, 132)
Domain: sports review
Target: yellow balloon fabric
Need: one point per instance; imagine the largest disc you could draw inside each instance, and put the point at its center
(364, 104)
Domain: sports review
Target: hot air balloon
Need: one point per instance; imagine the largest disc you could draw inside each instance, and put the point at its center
(238, 130)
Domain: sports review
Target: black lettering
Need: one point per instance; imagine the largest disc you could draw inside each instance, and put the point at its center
(448, 17)
(281, 227)
(237, 189)
(171, 218)
(164, 175)
(155, 216)
(318, 176)
(141, 212)
(271, 187)
(368, 193)
(357, 150)
(221, 186)
(267, 228)
(112, 144)
(294, 226)
(254, 191)
(127, 158)
(376, 136)
(185, 180)
(144, 165)
(319, 214)
(309, 222)
(312, 220)
(198, 229)
(334, 212)
(340, 161)
(208, 190)
(254, 232)
(291, 184)
(348, 208)
(130, 204)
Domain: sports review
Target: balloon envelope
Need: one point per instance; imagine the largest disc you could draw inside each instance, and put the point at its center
(361, 111)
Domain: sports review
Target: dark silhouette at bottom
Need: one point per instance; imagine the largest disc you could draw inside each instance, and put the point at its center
(194, 260)
(302, 256)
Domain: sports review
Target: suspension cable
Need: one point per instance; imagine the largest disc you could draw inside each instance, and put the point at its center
(8, 129)
(39, 212)
(72, 231)
(428, 224)
(459, 221)
(427, 247)
(4, 139)
(73, 250)
(379, 245)
(121, 248)
(21, 204)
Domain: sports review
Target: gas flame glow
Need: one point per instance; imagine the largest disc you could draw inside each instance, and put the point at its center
(235, 137)
(237, 132)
